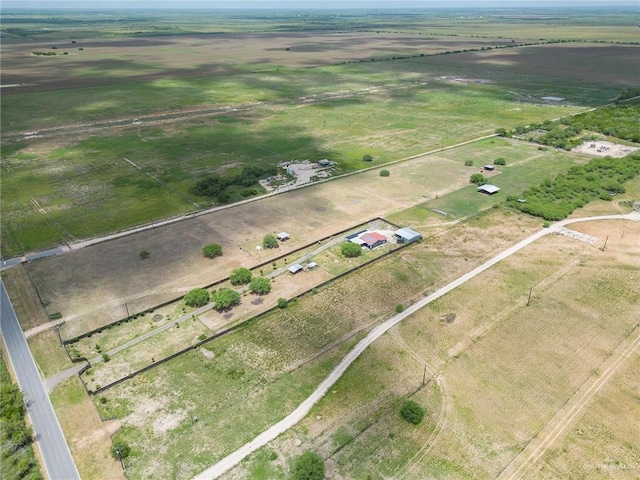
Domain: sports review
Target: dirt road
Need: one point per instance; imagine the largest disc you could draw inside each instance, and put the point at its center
(299, 413)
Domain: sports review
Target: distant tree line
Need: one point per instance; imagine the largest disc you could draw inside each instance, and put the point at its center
(619, 120)
(600, 178)
(225, 189)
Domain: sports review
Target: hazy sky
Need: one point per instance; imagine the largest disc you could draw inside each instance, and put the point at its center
(301, 4)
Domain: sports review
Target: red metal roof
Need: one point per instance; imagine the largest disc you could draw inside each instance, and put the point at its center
(371, 238)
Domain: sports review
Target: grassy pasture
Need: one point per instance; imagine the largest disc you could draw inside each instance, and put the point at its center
(568, 24)
(494, 380)
(59, 191)
(91, 286)
(114, 61)
(271, 356)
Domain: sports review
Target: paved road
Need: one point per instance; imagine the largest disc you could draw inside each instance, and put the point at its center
(299, 413)
(55, 452)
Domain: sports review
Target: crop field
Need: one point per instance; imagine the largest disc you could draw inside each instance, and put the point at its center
(98, 284)
(494, 381)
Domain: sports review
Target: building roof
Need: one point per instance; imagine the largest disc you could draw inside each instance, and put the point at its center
(370, 238)
(282, 235)
(296, 268)
(489, 167)
(487, 188)
(407, 233)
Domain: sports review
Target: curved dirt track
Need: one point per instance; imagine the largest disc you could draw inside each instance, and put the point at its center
(299, 413)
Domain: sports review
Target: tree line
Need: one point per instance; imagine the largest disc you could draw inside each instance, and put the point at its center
(225, 189)
(18, 459)
(621, 120)
(554, 199)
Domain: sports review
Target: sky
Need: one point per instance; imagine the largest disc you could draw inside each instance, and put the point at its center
(299, 4)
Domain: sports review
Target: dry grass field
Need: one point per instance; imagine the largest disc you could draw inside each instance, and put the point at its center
(500, 370)
(113, 61)
(90, 287)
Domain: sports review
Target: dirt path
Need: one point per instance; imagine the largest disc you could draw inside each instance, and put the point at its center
(299, 413)
(541, 443)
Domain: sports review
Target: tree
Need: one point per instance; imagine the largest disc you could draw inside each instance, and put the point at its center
(367, 158)
(478, 179)
(308, 466)
(240, 276)
(120, 450)
(260, 285)
(412, 412)
(500, 161)
(212, 250)
(270, 241)
(225, 298)
(196, 297)
(351, 250)
(384, 173)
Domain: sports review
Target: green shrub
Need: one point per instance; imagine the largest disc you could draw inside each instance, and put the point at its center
(399, 308)
(120, 450)
(350, 250)
(144, 255)
(197, 297)
(384, 173)
(468, 163)
(412, 412)
(260, 285)
(270, 241)
(367, 158)
(308, 466)
(55, 316)
(225, 298)
(106, 358)
(240, 276)
(478, 179)
(499, 161)
(212, 250)
(283, 302)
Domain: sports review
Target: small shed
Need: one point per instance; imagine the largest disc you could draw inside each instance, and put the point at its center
(373, 240)
(296, 268)
(407, 235)
(488, 189)
(311, 265)
(325, 163)
(283, 236)
(489, 167)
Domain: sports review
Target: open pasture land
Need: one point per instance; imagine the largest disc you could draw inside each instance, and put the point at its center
(96, 285)
(497, 374)
(268, 357)
(104, 62)
(598, 72)
(58, 190)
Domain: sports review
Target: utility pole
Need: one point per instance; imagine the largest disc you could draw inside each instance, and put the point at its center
(127, 307)
(529, 299)
(424, 375)
(605, 243)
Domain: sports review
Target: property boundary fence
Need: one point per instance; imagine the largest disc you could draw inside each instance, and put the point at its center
(247, 321)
